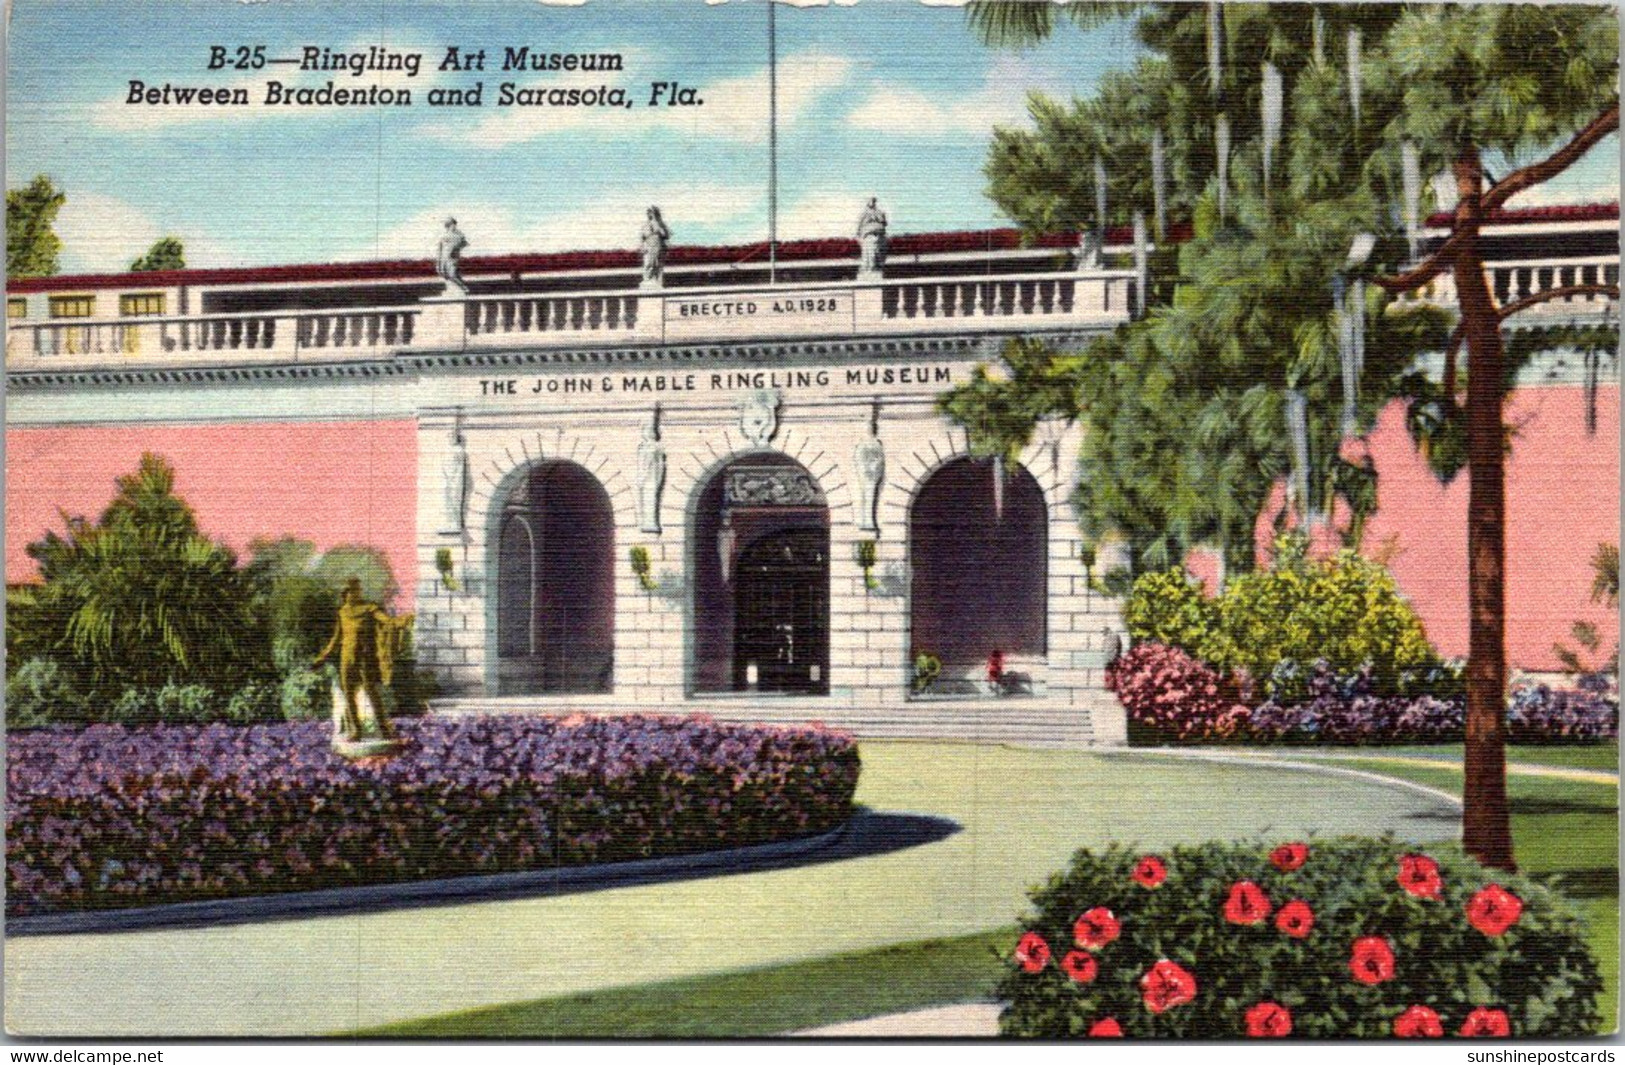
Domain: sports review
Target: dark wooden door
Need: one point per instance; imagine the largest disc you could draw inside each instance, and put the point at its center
(781, 621)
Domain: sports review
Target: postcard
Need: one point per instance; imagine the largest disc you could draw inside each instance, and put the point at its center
(597, 519)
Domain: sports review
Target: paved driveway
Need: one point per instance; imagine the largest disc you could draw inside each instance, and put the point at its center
(1020, 812)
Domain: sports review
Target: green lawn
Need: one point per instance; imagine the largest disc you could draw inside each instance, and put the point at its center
(754, 1003)
(1604, 756)
(1565, 828)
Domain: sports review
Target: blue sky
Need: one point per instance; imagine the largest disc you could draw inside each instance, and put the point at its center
(886, 97)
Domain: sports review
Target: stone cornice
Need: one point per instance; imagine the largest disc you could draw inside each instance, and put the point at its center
(421, 363)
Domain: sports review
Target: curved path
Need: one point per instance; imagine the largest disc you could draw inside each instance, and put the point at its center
(1022, 811)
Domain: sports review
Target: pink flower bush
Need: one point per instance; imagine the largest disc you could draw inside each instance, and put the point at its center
(1169, 692)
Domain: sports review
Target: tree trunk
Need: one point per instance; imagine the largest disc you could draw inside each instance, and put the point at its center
(1486, 827)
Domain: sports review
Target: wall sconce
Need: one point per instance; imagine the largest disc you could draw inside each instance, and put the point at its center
(443, 563)
(640, 566)
(866, 559)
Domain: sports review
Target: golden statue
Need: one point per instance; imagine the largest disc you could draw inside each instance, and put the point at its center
(368, 640)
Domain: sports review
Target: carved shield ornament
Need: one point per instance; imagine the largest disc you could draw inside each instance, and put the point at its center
(759, 416)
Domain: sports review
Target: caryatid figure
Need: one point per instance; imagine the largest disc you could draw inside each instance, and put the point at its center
(448, 256)
(869, 457)
(367, 640)
(653, 241)
(454, 483)
(872, 239)
(651, 476)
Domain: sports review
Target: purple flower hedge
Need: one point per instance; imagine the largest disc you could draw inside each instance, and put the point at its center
(1172, 697)
(1588, 713)
(110, 816)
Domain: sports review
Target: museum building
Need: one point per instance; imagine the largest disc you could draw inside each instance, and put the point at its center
(709, 478)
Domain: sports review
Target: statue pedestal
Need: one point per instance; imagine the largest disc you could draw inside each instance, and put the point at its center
(365, 747)
(373, 742)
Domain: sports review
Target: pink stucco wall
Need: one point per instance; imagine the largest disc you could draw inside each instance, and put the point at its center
(354, 482)
(327, 482)
(1562, 501)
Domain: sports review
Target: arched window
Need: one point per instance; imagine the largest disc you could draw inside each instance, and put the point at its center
(978, 561)
(555, 584)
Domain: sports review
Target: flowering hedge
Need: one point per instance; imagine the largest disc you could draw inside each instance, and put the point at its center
(1587, 713)
(1331, 939)
(1346, 710)
(110, 816)
(1172, 695)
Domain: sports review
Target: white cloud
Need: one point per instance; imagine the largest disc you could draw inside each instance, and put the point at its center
(734, 109)
(806, 3)
(903, 111)
(1559, 193)
(608, 221)
(823, 214)
(103, 234)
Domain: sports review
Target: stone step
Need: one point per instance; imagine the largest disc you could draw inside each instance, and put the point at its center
(1034, 723)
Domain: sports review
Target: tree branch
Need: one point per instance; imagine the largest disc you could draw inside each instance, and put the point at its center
(1442, 259)
(1517, 307)
(1556, 163)
(1611, 291)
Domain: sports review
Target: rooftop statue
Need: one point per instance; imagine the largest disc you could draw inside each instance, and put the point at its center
(448, 257)
(871, 239)
(653, 240)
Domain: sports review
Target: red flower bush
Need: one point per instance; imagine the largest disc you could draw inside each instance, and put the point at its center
(1353, 952)
(1268, 1020)
(1032, 952)
(1166, 985)
(1487, 1022)
(1096, 928)
(1493, 910)
(1296, 919)
(1169, 693)
(1289, 856)
(1418, 1022)
(1372, 960)
(1247, 904)
(1419, 875)
(1149, 872)
(1080, 966)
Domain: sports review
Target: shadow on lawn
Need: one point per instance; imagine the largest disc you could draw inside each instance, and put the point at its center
(1600, 883)
(869, 832)
(1533, 805)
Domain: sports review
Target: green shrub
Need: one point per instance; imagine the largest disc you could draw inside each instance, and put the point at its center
(411, 689)
(307, 694)
(1345, 611)
(169, 704)
(1171, 607)
(1270, 627)
(140, 598)
(254, 703)
(41, 692)
(1343, 938)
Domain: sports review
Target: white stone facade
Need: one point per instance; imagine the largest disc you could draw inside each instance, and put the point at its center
(822, 415)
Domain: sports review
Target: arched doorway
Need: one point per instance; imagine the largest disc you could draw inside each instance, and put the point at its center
(978, 560)
(555, 584)
(761, 579)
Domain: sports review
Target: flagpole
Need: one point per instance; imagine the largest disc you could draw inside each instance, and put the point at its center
(772, 146)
